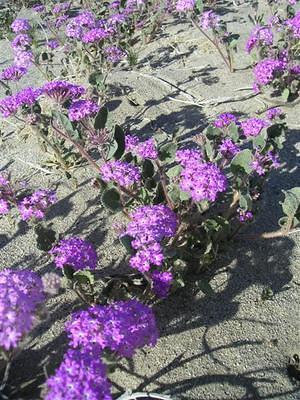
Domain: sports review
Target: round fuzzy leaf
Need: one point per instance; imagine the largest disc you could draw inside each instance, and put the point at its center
(84, 276)
(126, 242)
(241, 162)
(45, 237)
(174, 171)
(64, 121)
(101, 118)
(148, 169)
(120, 139)
(111, 199)
(167, 152)
(291, 203)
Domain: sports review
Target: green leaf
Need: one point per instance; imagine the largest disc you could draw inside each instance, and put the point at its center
(241, 162)
(113, 147)
(211, 132)
(184, 196)
(245, 202)
(291, 203)
(167, 152)
(209, 150)
(285, 94)
(174, 194)
(65, 123)
(126, 242)
(68, 271)
(199, 6)
(101, 118)
(120, 139)
(95, 78)
(260, 140)
(205, 287)
(147, 169)
(233, 131)
(84, 277)
(174, 171)
(111, 199)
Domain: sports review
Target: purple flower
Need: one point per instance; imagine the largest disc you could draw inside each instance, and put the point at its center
(131, 142)
(253, 126)
(121, 172)
(114, 54)
(21, 41)
(185, 5)
(122, 327)
(61, 8)
(26, 97)
(151, 224)
(4, 207)
(23, 58)
(76, 253)
(228, 148)
(53, 44)
(36, 205)
(225, 120)
(20, 294)
(274, 113)
(263, 163)
(244, 216)
(39, 8)
(186, 156)
(20, 25)
(203, 181)
(260, 36)
(294, 25)
(60, 21)
(62, 91)
(161, 282)
(265, 71)
(82, 109)
(74, 30)
(148, 227)
(147, 149)
(96, 34)
(209, 20)
(81, 373)
(86, 18)
(13, 73)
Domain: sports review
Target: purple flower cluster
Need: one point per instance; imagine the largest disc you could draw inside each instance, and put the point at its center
(123, 327)
(264, 162)
(61, 8)
(161, 283)
(260, 36)
(145, 149)
(53, 44)
(203, 181)
(13, 73)
(225, 120)
(97, 34)
(21, 42)
(80, 24)
(75, 253)
(187, 156)
(114, 54)
(294, 25)
(121, 172)
(265, 71)
(244, 216)
(209, 20)
(6, 195)
(39, 8)
(148, 227)
(82, 109)
(81, 373)
(20, 25)
(61, 91)
(228, 148)
(26, 97)
(274, 113)
(20, 294)
(253, 126)
(185, 5)
(35, 206)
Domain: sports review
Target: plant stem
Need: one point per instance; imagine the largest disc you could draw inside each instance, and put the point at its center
(78, 146)
(164, 184)
(214, 43)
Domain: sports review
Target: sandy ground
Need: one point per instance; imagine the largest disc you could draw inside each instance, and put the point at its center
(232, 345)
